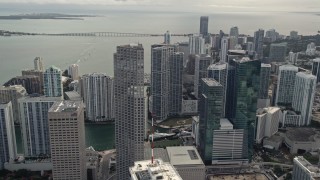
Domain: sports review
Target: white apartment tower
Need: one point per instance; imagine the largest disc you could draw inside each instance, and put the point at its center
(303, 95)
(224, 49)
(286, 81)
(73, 71)
(98, 96)
(67, 137)
(8, 147)
(196, 44)
(129, 106)
(38, 64)
(52, 78)
(34, 124)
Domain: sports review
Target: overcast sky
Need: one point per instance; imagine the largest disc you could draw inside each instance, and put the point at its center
(194, 5)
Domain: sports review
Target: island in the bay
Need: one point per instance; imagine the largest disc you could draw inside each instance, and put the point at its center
(45, 16)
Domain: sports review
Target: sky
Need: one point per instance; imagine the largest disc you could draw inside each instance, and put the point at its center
(183, 5)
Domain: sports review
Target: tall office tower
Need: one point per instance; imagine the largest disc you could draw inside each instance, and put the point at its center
(52, 78)
(33, 72)
(35, 125)
(204, 21)
(311, 49)
(286, 81)
(38, 64)
(196, 44)
(175, 83)
(129, 106)
(98, 96)
(219, 72)
(278, 52)
(8, 146)
(167, 37)
(250, 48)
(264, 81)
(160, 76)
(233, 41)
(272, 34)
(304, 170)
(30, 83)
(202, 63)
(73, 71)
(67, 138)
(316, 68)
(258, 43)
(234, 31)
(13, 93)
(294, 35)
(247, 82)
(211, 106)
(230, 107)
(303, 95)
(224, 49)
(293, 57)
(184, 47)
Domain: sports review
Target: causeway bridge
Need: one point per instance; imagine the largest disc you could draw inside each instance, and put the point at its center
(92, 34)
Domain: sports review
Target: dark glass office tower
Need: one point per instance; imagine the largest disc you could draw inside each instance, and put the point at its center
(204, 20)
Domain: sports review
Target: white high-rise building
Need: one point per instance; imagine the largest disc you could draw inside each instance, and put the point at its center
(97, 91)
(286, 81)
(234, 31)
(267, 122)
(224, 49)
(34, 124)
(311, 49)
(293, 57)
(303, 95)
(167, 37)
(129, 106)
(196, 44)
(8, 147)
(73, 71)
(316, 68)
(233, 41)
(13, 93)
(160, 77)
(38, 64)
(304, 170)
(67, 138)
(52, 79)
(202, 62)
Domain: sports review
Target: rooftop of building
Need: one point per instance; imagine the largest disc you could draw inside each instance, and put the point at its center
(301, 134)
(53, 68)
(237, 52)
(224, 122)
(316, 60)
(65, 106)
(184, 155)
(95, 74)
(73, 95)
(218, 66)
(211, 82)
(275, 138)
(159, 153)
(306, 75)
(145, 170)
(131, 45)
(265, 65)
(279, 44)
(38, 98)
(243, 59)
(288, 67)
(267, 110)
(313, 170)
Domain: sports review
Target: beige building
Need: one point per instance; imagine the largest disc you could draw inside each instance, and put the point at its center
(67, 137)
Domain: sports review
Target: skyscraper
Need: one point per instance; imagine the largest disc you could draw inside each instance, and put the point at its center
(73, 71)
(303, 95)
(278, 52)
(129, 106)
(264, 81)
(38, 64)
(294, 35)
(293, 57)
(13, 93)
(53, 82)
(31, 83)
(316, 68)
(219, 72)
(234, 31)
(204, 20)
(32, 72)
(35, 125)
(67, 138)
(286, 81)
(8, 147)
(196, 44)
(97, 91)
(211, 106)
(258, 43)
(224, 49)
(202, 63)
(160, 76)
(175, 83)
(167, 37)
(247, 82)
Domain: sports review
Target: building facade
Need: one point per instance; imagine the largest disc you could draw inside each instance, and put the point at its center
(316, 68)
(204, 21)
(98, 94)
(31, 83)
(202, 63)
(285, 87)
(196, 44)
(129, 95)
(278, 52)
(258, 43)
(304, 170)
(264, 81)
(52, 79)
(8, 146)
(67, 138)
(38, 64)
(73, 71)
(33, 72)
